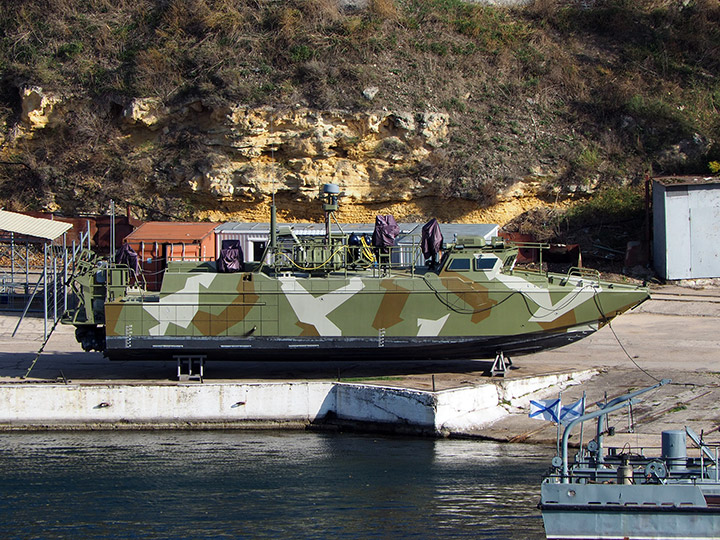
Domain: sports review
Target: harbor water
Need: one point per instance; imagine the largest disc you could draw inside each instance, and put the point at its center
(261, 484)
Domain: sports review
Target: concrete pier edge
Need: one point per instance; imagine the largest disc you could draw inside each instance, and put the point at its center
(322, 405)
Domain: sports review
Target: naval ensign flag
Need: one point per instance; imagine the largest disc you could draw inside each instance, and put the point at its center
(545, 409)
(571, 412)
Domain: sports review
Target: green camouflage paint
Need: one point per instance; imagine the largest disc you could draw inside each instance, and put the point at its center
(474, 305)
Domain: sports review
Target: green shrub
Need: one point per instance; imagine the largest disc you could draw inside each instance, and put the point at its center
(69, 50)
(301, 53)
(609, 205)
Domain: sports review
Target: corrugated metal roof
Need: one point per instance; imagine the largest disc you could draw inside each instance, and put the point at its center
(31, 226)
(298, 228)
(242, 227)
(170, 231)
(486, 230)
(449, 230)
(672, 181)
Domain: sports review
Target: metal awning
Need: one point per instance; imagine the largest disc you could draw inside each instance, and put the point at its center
(31, 226)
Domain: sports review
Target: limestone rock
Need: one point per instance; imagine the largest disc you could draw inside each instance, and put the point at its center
(374, 156)
(403, 121)
(352, 5)
(519, 189)
(217, 175)
(370, 92)
(39, 107)
(434, 127)
(145, 112)
(265, 150)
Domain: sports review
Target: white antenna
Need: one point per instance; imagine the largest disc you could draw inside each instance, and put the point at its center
(272, 160)
(112, 230)
(273, 211)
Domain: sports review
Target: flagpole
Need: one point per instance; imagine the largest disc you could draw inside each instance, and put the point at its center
(582, 425)
(559, 412)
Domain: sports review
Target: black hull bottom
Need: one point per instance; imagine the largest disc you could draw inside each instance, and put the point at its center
(326, 348)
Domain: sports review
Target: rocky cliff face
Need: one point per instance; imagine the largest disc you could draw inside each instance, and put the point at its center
(237, 155)
(253, 152)
(229, 159)
(258, 151)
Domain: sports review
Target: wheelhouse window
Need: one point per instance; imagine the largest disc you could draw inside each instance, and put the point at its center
(459, 265)
(485, 263)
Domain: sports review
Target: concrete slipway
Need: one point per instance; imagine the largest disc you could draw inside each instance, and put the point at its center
(266, 404)
(677, 335)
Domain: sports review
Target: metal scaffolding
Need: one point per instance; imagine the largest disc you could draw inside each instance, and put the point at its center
(35, 263)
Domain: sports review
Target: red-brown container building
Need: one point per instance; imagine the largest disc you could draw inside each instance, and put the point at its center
(158, 242)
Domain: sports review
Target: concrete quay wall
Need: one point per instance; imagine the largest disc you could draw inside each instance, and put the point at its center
(269, 404)
(60, 405)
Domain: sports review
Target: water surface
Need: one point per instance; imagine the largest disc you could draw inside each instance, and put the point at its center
(263, 484)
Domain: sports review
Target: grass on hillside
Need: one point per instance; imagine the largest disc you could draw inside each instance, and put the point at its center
(591, 97)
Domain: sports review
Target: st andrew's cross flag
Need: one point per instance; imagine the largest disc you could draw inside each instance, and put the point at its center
(545, 409)
(571, 412)
(552, 410)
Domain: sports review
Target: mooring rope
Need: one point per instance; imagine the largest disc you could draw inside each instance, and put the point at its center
(609, 324)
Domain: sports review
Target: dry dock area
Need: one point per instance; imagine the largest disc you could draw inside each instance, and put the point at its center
(676, 335)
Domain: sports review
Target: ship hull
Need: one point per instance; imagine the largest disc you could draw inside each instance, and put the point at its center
(612, 511)
(637, 524)
(228, 317)
(471, 309)
(343, 348)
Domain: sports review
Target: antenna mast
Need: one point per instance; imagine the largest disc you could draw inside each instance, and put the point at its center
(273, 210)
(330, 205)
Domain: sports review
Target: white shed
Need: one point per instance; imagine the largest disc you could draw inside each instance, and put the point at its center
(686, 227)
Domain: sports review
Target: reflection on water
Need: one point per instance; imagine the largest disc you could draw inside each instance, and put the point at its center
(266, 485)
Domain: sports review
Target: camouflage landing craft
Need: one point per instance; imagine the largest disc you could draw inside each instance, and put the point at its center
(336, 297)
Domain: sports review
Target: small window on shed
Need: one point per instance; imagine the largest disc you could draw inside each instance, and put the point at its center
(459, 265)
(258, 250)
(485, 263)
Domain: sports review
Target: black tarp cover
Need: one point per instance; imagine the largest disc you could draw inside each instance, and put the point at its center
(432, 239)
(385, 231)
(231, 257)
(126, 255)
